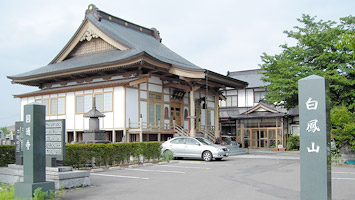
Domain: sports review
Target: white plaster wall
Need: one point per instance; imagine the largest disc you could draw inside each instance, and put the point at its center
(79, 122)
(88, 91)
(154, 79)
(86, 123)
(107, 120)
(23, 102)
(250, 97)
(241, 98)
(166, 98)
(118, 107)
(131, 106)
(155, 88)
(186, 124)
(143, 86)
(203, 115)
(143, 111)
(70, 110)
(143, 94)
(31, 99)
(186, 100)
(212, 117)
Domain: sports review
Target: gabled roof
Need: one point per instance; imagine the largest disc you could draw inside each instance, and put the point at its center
(127, 45)
(253, 77)
(261, 110)
(130, 41)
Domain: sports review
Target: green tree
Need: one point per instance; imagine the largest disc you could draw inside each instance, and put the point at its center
(317, 52)
(343, 126)
(4, 130)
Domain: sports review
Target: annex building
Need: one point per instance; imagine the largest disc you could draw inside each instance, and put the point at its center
(146, 91)
(255, 123)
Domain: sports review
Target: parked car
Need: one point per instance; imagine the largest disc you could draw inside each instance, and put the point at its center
(227, 141)
(189, 147)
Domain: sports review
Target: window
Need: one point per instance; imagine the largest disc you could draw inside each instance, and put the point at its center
(231, 99)
(155, 109)
(155, 114)
(103, 102)
(259, 95)
(54, 106)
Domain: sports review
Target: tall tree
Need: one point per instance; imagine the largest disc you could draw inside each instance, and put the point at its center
(317, 52)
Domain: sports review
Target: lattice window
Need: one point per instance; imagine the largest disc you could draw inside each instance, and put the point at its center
(94, 45)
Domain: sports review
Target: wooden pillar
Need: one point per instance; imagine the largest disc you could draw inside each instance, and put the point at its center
(75, 136)
(113, 136)
(193, 113)
(66, 138)
(216, 116)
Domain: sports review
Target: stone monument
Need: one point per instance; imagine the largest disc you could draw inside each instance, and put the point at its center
(19, 142)
(34, 155)
(55, 142)
(314, 138)
(94, 134)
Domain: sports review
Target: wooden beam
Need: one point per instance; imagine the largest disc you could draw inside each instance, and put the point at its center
(141, 80)
(178, 86)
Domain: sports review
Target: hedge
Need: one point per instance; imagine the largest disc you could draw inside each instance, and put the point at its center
(7, 155)
(86, 155)
(82, 155)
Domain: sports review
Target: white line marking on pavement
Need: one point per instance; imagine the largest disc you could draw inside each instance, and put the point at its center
(343, 172)
(162, 171)
(118, 176)
(184, 167)
(350, 179)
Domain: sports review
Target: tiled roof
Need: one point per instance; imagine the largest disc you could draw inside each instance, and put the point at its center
(139, 43)
(253, 77)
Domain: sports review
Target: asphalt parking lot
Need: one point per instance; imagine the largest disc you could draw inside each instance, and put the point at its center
(267, 176)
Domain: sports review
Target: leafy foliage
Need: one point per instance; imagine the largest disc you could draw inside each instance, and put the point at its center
(293, 143)
(317, 52)
(80, 155)
(167, 156)
(4, 130)
(343, 126)
(7, 155)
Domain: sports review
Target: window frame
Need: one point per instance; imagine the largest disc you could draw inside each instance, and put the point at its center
(97, 106)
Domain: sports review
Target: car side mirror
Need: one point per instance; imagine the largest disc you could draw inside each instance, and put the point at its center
(198, 144)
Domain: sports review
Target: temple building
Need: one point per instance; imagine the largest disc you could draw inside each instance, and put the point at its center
(254, 123)
(146, 91)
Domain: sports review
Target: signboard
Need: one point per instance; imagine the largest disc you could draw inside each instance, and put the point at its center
(314, 138)
(19, 142)
(55, 138)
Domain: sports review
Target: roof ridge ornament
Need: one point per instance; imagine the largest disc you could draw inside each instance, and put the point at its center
(88, 35)
(93, 10)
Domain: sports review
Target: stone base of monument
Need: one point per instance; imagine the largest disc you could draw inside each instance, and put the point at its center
(61, 176)
(94, 136)
(26, 190)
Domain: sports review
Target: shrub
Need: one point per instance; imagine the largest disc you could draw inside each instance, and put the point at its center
(293, 143)
(7, 155)
(85, 155)
(81, 155)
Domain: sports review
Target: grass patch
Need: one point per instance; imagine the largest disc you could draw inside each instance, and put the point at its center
(6, 192)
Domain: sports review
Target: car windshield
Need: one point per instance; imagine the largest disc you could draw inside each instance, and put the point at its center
(204, 141)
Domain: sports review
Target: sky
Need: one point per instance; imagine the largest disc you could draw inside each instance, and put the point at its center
(221, 36)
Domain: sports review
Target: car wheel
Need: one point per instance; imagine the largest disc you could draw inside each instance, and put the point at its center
(207, 156)
(218, 158)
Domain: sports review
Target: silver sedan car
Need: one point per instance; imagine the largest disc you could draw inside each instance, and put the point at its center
(190, 147)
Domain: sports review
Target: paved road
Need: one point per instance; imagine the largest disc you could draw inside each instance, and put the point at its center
(259, 175)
